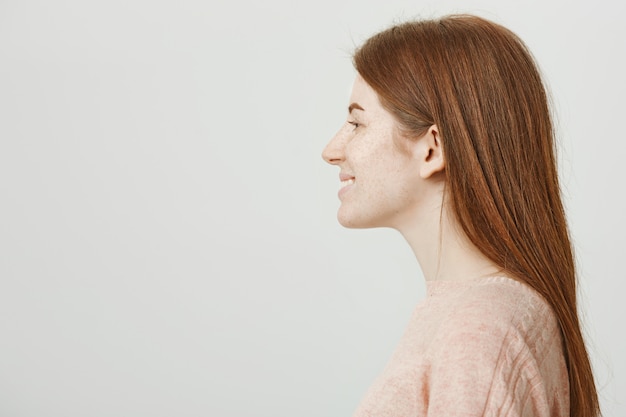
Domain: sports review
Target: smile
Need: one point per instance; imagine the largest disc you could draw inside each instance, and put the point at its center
(346, 183)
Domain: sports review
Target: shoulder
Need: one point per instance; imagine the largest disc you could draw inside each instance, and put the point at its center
(488, 318)
(489, 347)
(493, 308)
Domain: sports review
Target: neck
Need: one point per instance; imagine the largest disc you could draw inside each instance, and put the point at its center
(443, 250)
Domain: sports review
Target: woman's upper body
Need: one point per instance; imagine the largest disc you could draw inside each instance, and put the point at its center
(487, 347)
(449, 140)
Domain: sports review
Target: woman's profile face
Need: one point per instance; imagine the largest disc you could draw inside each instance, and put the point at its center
(379, 181)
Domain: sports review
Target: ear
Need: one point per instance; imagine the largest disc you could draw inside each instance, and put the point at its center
(430, 153)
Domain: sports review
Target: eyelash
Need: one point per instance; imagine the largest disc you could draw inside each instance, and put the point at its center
(355, 124)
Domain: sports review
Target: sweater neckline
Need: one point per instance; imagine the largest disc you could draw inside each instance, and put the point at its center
(435, 287)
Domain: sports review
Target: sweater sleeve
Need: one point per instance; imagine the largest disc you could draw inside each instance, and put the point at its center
(466, 373)
(488, 367)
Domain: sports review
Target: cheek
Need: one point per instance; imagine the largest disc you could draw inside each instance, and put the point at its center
(375, 157)
(397, 179)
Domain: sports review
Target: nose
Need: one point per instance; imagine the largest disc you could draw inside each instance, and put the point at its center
(334, 153)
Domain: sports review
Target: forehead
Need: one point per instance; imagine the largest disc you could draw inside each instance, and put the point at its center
(364, 96)
(365, 104)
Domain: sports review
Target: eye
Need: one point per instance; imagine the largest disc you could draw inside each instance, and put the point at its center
(354, 124)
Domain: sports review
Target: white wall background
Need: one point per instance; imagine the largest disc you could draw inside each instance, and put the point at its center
(168, 242)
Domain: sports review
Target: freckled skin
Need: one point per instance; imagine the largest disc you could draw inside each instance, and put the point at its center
(387, 182)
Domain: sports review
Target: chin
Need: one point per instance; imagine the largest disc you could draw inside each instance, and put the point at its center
(353, 221)
(350, 224)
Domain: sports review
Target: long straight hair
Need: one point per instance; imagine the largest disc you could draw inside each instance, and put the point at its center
(479, 84)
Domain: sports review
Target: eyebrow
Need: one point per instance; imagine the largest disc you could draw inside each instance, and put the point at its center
(354, 106)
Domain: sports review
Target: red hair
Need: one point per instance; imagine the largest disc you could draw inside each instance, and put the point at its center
(479, 84)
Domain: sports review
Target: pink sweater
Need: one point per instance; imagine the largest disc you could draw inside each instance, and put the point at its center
(488, 347)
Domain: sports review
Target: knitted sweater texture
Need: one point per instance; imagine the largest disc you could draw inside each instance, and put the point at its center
(488, 347)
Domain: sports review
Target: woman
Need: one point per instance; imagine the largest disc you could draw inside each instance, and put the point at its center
(449, 140)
